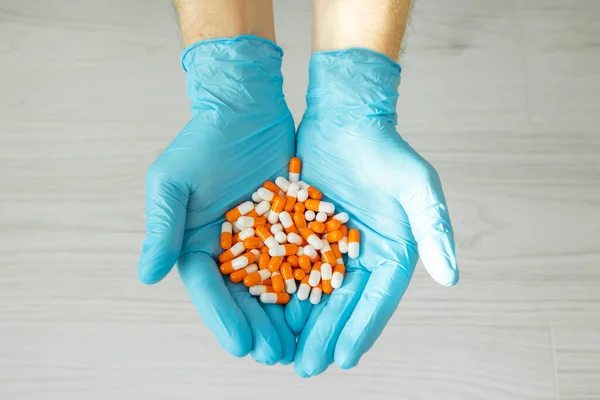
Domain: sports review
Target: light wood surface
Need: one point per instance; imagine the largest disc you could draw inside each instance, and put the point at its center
(501, 96)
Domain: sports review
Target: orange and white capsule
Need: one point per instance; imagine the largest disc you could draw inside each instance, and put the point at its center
(316, 227)
(288, 278)
(275, 263)
(327, 254)
(239, 262)
(250, 222)
(311, 238)
(256, 198)
(292, 260)
(239, 275)
(252, 243)
(294, 169)
(299, 274)
(343, 243)
(326, 274)
(281, 237)
(265, 236)
(338, 276)
(257, 290)
(262, 208)
(313, 192)
(311, 253)
(276, 207)
(277, 281)
(274, 298)
(302, 196)
(276, 228)
(332, 225)
(343, 217)
(273, 188)
(282, 183)
(290, 197)
(334, 236)
(286, 221)
(303, 289)
(266, 195)
(315, 295)
(241, 210)
(315, 274)
(256, 278)
(263, 261)
(353, 243)
(300, 251)
(319, 206)
(337, 253)
(226, 235)
(294, 238)
(232, 253)
(299, 220)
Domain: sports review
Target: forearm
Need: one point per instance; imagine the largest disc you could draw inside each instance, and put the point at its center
(377, 25)
(211, 19)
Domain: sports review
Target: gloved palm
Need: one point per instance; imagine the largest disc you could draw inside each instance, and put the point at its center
(240, 135)
(351, 150)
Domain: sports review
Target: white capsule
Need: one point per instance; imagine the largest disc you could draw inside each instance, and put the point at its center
(273, 217)
(290, 286)
(276, 228)
(262, 208)
(237, 249)
(339, 261)
(315, 242)
(343, 245)
(286, 219)
(256, 198)
(226, 227)
(325, 247)
(236, 228)
(303, 291)
(278, 251)
(265, 194)
(303, 185)
(310, 251)
(293, 190)
(239, 262)
(343, 217)
(246, 233)
(246, 207)
(245, 222)
(282, 183)
(271, 243)
(321, 217)
(353, 249)
(300, 251)
(315, 295)
(280, 236)
(309, 215)
(326, 271)
(336, 280)
(302, 196)
(294, 238)
(326, 207)
(257, 290)
(314, 278)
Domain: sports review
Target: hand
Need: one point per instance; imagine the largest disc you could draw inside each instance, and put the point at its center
(240, 135)
(351, 151)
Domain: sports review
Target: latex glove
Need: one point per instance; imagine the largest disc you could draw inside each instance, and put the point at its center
(351, 151)
(241, 134)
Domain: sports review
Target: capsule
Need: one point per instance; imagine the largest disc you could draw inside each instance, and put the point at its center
(319, 206)
(333, 225)
(275, 298)
(303, 289)
(294, 169)
(256, 198)
(238, 263)
(283, 183)
(290, 249)
(239, 275)
(304, 263)
(338, 276)
(287, 223)
(326, 253)
(315, 295)
(276, 228)
(288, 278)
(281, 237)
(321, 217)
(311, 238)
(292, 260)
(226, 235)
(263, 261)
(334, 236)
(275, 263)
(252, 243)
(326, 274)
(299, 220)
(299, 274)
(300, 251)
(273, 188)
(265, 236)
(353, 243)
(262, 208)
(257, 290)
(313, 192)
(264, 250)
(343, 243)
(294, 238)
(256, 278)
(239, 211)
(309, 215)
(236, 238)
(316, 227)
(337, 253)
(302, 196)
(250, 222)
(276, 207)
(232, 253)
(277, 280)
(315, 274)
(290, 197)
(266, 195)
(299, 207)
(342, 217)
(311, 253)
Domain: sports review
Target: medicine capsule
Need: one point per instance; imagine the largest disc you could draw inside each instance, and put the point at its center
(276, 228)
(266, 195)
(275, 298)
(292, 260)
(302, 195)
(299, 208)
(338, 276)
(252, 243)
(311, 253)
(257, 277)
(232, 253)
(281, 237)
(237, 263)
(353, 243)
(327, 254)
(239, 211)
(273, 188)
(290, 197)
(236, 238)
(334, 236)
(316, 227)
(290, 249)
(299, 274)
(304, 263)
(256, 198)
(337, 253)
(262, 208)
(288, 278)
(343, 243)
(299, 220)
(294, 169)
(315, 295)
(257, 290)
(303, 290)
(265, 236)
(239, 275)
(311, 238)
(315, 274)
(282, 183)
(319, 206)
(321, 217)
(310, 215)
(276, 208)
(313, 193)
(343, 217)
(275, 263)
(294, 238)
(287, 223)
(277, 281)
(267, 282)
(252, 213)
(263, 261)
(300, 251)
(326, 274)
(264, 250)
(333, 225)
(226, 235)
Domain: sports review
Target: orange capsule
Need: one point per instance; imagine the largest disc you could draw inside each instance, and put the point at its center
(288, 278)
(304, 262)
(290, 249)
(275, 263)
(311, 238)
(268, 282)
(299, 208)
(277, 280)
(353, 243)
(274, 298)
(226, 239)
(332, 225)
(264, 250)
(278, 204)
(263, 260)
(236, 238)
(299, 274)
(299, 220)
(294, 169)
(290, 197)
(258, 277)
(240, 274)
(287, 222)
(243, 209)
(252, 243)
(259, 221)
(316, 227)
(268, 226)
(272, 187)
(292, 260)
(334, 236)
(336, 250)
(232, 253)
(338, 276)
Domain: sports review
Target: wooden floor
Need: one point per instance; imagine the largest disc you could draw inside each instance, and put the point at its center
(501, 96)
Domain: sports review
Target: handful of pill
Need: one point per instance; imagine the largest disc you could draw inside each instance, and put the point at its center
(287, 233)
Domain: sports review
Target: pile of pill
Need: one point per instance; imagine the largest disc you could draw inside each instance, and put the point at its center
(287, 233)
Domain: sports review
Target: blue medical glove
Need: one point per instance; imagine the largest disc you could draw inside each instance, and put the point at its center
(351, 150)
(241, 134)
